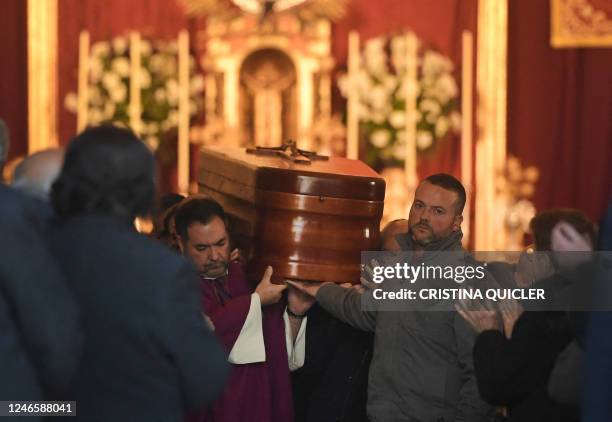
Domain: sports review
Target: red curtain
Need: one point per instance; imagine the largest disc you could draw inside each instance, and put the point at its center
(559, 112)
(14, 74)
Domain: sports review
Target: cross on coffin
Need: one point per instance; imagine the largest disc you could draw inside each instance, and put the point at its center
(289, 151)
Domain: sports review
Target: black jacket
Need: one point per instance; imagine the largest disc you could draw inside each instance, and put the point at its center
(515, 372)
(332, 385)
(39, 333)
(147, 355)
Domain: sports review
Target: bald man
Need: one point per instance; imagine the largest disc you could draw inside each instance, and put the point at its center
(37, 172)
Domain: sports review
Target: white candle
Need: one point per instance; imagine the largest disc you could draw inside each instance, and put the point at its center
(352, 133)
(183, 112)
(82, 92)
(135, 108)
(410, 94)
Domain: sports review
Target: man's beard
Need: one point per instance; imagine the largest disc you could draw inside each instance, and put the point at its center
(215, 270)
(422, 241)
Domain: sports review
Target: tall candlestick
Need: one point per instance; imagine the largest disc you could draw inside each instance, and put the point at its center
(352, 130)
(410, 94)
(135, 108)
(467, 82)
(183, 112)
(83, 93)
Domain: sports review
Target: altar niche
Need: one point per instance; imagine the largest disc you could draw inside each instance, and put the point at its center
(268, 100)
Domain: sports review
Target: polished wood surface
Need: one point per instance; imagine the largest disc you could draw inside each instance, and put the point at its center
(307, 224)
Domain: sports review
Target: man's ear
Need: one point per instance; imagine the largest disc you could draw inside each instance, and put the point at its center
(179, 243)
(457, 222)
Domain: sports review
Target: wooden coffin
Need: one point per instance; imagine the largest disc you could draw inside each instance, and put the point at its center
(309, 221)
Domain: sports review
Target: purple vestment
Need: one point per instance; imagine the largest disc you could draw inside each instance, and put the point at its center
(254, 392)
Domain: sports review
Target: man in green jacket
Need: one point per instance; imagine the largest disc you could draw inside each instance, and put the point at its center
(422, 367)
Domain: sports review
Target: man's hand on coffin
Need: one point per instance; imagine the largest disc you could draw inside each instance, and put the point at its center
(299, 302)
(269, 293)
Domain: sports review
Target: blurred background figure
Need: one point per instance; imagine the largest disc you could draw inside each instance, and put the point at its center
(37, 172)
(147, 352)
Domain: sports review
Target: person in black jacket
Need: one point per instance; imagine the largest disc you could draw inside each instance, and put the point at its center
(39, 333)
(516, 350)
(333, 383)
(148, 355)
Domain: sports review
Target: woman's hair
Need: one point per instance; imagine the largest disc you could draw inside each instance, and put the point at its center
(107, 170)
(542, 225)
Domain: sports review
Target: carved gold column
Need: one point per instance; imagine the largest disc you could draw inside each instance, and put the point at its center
(42, 75)
(491, 119)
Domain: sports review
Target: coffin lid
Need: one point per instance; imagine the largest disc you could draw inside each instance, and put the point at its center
(337, 177)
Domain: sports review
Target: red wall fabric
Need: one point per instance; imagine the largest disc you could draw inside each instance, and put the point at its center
(559, 112)
(14, 74)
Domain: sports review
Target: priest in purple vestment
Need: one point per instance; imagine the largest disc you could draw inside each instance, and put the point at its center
(263, 334)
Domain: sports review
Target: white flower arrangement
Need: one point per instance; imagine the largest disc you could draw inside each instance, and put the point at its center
(109, 82)
(380, 83)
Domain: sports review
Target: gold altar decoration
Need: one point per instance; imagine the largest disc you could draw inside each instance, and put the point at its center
(581, 23)
(268, 70)
(491, 63)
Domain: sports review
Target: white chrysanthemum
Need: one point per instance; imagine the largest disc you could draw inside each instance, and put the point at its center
(71, 102)
(165, 125)
(378, 117)
(173, 117)
(145, 48)
(94, 116)
(145, 78)
(401, 136)
(94, 96)
(121, 65)
(431, 109)
(96, 69)
(159, 95)
(399, 151)
(424, 139)
(364, 82)
(374, 57)
(156, 63)
(118, 94)
(120, 45)
(442, 126)
(455, 119)
(364, 112)
(172, 91)
(170, 66)
(100, 49)
(445, 88)
(435, 63)
(379, 97)
(397, 119)
(109, 110)
(110, 81)
(380, 138)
